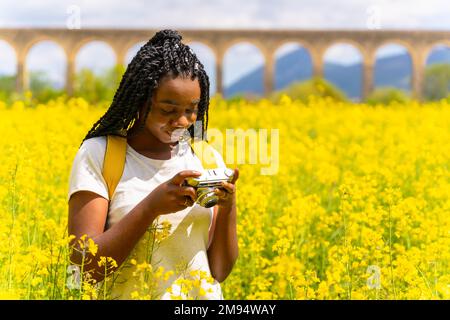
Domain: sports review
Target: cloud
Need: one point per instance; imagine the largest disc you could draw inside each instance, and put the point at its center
(7, 59)
(97, 56)
(343, 54)
(269, 14)
(49, 58)
(240, 60)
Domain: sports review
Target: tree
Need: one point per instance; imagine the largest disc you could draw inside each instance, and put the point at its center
(7, 83)
(42, 88)
(437, 81)
(387, 95)
(95, 88)
(7, 86)
(313, 87)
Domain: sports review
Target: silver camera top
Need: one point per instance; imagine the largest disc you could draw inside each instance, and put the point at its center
(211, 177)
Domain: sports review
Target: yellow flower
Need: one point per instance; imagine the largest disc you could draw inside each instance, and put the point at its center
(353, 192)
(36, 281)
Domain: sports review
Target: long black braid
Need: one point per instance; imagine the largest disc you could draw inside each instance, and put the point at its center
(162, 55)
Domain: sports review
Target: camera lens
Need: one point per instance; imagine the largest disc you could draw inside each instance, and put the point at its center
(206, 197)
(210, 202)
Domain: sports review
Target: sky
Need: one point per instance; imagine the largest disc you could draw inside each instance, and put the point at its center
(213, 14)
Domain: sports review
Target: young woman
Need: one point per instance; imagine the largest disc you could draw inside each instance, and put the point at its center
(164, 91)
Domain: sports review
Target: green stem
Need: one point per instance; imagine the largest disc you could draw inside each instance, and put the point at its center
(390, 254)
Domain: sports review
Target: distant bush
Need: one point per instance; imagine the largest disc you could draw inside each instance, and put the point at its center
(93, 88)
(246, 96)
(7, 83)
(42, 87)
(437, 82)
(96, 88)
(386, 95)
(317, 87)
(7, 86)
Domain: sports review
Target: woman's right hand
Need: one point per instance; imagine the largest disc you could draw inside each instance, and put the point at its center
(172, 196)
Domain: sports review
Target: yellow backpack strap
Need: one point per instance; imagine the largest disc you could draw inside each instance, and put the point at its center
(114, 162)
(204, 152)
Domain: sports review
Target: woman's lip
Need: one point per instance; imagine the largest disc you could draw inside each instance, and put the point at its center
(178, 131)
(174, 135)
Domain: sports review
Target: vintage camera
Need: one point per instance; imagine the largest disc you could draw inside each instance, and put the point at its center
(207, 182)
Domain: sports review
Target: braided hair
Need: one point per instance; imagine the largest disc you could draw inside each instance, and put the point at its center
(162, 55)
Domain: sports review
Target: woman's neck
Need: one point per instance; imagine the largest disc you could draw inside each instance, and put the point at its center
(145, 141)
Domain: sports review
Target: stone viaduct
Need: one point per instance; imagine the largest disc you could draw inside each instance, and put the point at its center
(418, 44)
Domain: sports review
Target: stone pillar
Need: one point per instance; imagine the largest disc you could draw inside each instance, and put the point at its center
(120, 48)
(219, 73)
(70, 75)
(317, 62)
(269, 73)
(120, 56)
(21, 77)
(417, 82)
(368, 78)
(417, 74)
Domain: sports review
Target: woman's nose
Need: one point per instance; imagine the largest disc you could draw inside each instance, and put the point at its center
(181, 121)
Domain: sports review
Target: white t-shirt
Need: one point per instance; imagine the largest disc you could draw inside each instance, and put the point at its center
(183, 250)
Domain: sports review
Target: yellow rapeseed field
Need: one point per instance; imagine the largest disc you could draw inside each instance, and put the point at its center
(358, 209)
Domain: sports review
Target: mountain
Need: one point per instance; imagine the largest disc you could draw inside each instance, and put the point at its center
(296, 66)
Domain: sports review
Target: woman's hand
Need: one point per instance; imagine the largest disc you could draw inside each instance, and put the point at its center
(227, 193)
(171, 196)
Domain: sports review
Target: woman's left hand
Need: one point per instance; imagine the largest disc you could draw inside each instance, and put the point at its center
(227, 193)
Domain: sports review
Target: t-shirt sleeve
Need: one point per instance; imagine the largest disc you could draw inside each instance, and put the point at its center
(86, 172)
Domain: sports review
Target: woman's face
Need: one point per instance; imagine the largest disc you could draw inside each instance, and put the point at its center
(174, 108)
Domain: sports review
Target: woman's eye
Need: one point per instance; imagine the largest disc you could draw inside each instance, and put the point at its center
(166, 111)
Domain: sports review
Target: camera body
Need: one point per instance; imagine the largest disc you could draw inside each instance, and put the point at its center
(207, 182)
